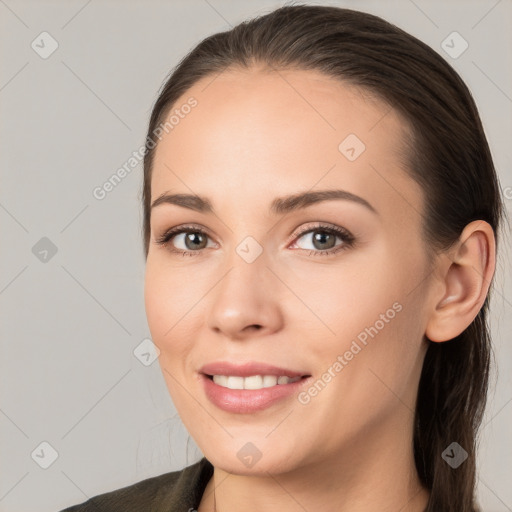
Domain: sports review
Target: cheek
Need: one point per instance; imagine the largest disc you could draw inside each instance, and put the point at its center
(157, 303)
(366, 314)
(340, 301)
(166, 311)
(169, 298)
(369, 371)
(386, 351)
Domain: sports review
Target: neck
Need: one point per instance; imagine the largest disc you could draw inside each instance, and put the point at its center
(373, 473)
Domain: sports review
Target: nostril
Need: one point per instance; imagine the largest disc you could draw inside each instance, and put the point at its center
(255, 327)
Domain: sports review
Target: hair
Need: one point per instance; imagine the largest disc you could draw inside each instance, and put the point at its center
(448, 156)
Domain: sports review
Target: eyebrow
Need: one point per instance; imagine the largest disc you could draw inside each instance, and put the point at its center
(279, 206)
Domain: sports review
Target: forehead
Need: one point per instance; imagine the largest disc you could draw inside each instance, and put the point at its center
(255, 134)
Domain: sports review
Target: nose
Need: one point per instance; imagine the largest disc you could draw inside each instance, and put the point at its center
(245, 302)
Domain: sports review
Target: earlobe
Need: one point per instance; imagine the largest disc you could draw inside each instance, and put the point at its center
(465, 282)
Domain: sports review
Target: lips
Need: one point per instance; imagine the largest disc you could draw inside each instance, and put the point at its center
(248, 369)
(248, 401)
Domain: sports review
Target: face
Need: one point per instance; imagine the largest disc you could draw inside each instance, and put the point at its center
(332, 289)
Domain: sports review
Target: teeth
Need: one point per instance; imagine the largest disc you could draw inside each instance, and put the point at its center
(269, 380)
(252, 382)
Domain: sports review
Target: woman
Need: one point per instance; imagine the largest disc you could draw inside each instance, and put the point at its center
(320, 220)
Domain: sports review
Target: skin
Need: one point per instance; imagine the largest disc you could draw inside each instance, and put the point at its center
(256, 135)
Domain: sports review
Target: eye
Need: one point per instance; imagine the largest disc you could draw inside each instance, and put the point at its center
(323, 238)
(192, 239)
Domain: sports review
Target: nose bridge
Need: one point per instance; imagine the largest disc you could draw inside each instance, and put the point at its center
(246, 261)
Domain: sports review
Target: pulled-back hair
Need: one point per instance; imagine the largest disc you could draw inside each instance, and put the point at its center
(448, 156)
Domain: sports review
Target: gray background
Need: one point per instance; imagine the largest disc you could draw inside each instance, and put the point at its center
(70, 324)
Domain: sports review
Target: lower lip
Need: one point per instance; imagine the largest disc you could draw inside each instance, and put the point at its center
(248, 400)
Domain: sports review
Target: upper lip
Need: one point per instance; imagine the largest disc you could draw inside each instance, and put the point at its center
(248, 369)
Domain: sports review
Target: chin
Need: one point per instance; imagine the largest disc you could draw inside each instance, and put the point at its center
(245, 458)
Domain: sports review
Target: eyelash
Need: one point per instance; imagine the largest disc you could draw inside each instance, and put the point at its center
(345, 235)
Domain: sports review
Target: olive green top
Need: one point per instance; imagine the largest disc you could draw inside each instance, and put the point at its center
(177, 491)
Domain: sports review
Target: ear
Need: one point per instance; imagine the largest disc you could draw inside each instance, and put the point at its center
(464, 282)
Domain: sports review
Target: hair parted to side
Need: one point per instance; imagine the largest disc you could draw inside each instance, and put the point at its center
(448, 156)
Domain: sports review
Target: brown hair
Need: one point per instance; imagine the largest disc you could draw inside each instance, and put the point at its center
(450, 159)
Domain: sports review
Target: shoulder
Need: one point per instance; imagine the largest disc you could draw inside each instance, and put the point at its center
(175, 490)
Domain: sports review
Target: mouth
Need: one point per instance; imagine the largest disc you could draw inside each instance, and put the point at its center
(252, 393)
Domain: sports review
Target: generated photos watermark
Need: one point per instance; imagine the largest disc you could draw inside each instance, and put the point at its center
(101, 191)
(357, 345)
